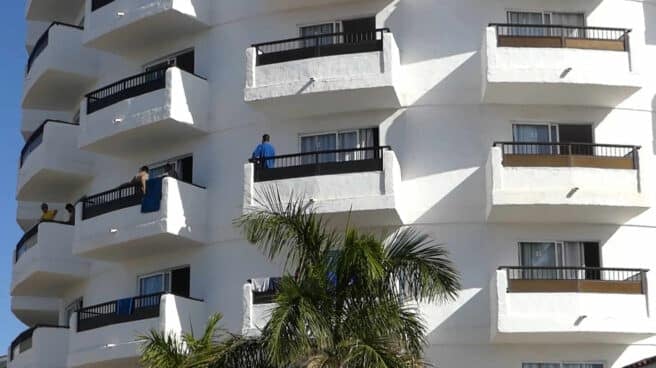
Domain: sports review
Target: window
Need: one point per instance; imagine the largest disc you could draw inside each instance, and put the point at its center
(562, 365)
(340, 140)
(320, 29)
(552, 133)
(546, 18)
(562, 254)
(175, 281)
(183, 60)
(155, 283)
(180, 168)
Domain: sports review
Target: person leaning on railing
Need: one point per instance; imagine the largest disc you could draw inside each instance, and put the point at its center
(264, 153)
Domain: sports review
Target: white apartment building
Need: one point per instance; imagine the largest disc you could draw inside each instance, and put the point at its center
(519, 133)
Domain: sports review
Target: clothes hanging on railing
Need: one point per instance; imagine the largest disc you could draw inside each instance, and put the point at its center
(152, 200)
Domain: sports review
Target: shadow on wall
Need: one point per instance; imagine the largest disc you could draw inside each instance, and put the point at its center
(653, 123)
(650, 21)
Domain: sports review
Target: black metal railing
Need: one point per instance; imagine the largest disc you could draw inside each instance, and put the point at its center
(97, 4)
(133, 86)
(23, 342)
(42, 43)
(119, 311)
(36, 138)
(546, 35)
(600, 279)
(319, 45)
(613, 155)
(125, 196)
(317, 163)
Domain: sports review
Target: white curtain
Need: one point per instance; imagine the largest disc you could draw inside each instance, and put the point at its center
(531, 133)
(526, 18)
(317, 30)
(322, 142)
(568, 19)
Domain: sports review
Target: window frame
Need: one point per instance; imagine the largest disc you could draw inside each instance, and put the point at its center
(560, 253)
(545, 12)
(551, 125)
(164, 274)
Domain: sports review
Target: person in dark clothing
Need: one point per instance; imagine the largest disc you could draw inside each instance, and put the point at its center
(71, 214)
(264, 153)
(141, 178)
(169, 169)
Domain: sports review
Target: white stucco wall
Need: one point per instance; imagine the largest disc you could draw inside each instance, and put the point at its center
(557, 76)
(111, 26)
(62, 71)
(180, 223)
(538, 194)
(330, 80)
(48, 266)
(55, 167)
(120, 344)
(372, 192)
(149, 122)
(441, 136)
(548, 318)
(49, 348)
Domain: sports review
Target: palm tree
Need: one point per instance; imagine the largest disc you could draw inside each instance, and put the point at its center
(347, 303)
(214, 349)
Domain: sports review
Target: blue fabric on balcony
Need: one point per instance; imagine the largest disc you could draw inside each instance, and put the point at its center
(151, 202)
(124, 307)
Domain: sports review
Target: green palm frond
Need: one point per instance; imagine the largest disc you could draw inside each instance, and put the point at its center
(422, 266)
(162, 350)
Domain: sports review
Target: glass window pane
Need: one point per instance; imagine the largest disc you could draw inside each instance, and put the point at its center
(531, 133)
(316, 30)
(152, 284)
(348, 140)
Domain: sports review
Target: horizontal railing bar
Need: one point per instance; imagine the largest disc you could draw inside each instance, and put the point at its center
(379, 30)
(626, 30)
(573, 268)
(564, 144)
(326, 152)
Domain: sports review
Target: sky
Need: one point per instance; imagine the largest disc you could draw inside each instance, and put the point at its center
(12, 71)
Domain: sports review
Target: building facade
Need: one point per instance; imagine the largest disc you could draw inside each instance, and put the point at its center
(519, 133)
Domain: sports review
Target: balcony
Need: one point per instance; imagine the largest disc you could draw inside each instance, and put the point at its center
(40, 346)
(31, 120)
(121, 224)
(316, 75)
(59, 69)
(107, 333)
(34, 31)
(570, 305)
(33, 310)
(360, 182)
(144, 113)
(557, 65)
(563, 182)
(123, 27)
(48, 10)
(258, 304)
(52, 169)
(43, 262)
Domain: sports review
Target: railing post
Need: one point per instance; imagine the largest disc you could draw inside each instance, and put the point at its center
(643, 275)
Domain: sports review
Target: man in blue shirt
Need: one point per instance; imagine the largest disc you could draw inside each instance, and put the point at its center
(265, 150)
